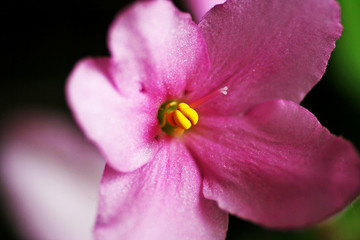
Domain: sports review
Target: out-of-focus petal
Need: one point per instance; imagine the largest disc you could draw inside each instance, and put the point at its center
(122, 125)
(276, 166)
(264, 50)
(162, 43)
(161, 200)
(199, 7)
(50, 175)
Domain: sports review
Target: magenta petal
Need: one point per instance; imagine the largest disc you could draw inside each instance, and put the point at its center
(162, 200)
(122, 126)
(276, 166)
(165, 44)
(200, 7)
(264, 50)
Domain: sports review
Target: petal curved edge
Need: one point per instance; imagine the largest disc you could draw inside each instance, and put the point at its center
(200, 7)
(162, 41)
(264, 50)
(162, 200)
(122, 126)
(276, 166)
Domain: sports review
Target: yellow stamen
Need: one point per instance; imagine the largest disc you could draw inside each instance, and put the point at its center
(184, 117)
(189, 113)
(181, 121)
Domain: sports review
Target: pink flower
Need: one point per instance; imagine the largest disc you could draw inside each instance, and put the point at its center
(254, 153)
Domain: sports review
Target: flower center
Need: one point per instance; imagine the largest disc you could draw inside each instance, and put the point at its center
(175, 117)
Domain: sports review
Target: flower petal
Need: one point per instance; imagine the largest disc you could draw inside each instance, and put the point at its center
(264, 50)
(162, 200)
(50, 175)
(123, 125)
(276, 166)
(161, 41)
(200, 7)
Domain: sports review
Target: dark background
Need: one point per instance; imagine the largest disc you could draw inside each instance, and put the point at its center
(42, 40)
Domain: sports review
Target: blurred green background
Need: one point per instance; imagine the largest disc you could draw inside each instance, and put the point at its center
(42, 40)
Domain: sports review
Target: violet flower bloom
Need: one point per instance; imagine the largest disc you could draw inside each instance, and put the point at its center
(254, 152)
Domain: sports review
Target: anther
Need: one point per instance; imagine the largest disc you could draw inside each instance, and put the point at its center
(183, 117)
(189, 113)
(181, 121)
